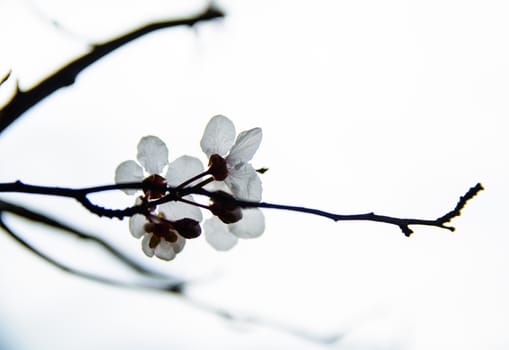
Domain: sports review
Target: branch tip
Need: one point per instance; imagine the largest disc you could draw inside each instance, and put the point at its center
(471, 193)
(5, 77)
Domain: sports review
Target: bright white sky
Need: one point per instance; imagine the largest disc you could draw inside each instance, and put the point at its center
(396, 107)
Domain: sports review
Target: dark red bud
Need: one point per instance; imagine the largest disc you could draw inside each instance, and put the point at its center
(224, 207)
(154, 186)
(217, 167)
(188, 228)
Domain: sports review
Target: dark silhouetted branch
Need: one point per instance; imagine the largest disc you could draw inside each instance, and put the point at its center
(81, 196)
(158, 284)
(403, 223)
(6, 207)
(66, 75)
(174, 194)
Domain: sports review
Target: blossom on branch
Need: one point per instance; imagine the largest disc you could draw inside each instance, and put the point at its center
(229, 165)
(172, 215)
(223, 236)
(152, 159)
(219, 144)
(166, 227)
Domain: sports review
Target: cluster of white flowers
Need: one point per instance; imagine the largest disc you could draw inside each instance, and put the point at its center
(168, 225)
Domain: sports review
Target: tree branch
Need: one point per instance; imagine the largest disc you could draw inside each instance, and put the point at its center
(6, 207)
(176, 289)
(174, 194)
(156, 283)
(403, 223)
(66, 75)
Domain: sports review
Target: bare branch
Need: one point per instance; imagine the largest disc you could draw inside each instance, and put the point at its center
(174, 194)
(66, 75)
(160, 283)
(403, 223)
(6, 207)
(158, 286)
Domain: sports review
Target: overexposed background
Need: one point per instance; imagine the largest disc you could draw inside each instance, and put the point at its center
(396, 107)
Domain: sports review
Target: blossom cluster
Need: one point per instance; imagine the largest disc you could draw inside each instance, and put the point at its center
(165, 228)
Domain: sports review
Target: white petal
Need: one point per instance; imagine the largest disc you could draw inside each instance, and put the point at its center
(145, 245)
(179, 244)
(164, 250)
(128, 171)
(245, 146)
(137, 225)
(152, 154)
(245, 183)
(217, 186)
(177, 210)
(252, 224)
(218, 235)
(182, 169)
(218, 136)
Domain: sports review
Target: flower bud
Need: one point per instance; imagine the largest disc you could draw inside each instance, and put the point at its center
(187, 228)
(154, 186)
(217, 167)
(224, 207)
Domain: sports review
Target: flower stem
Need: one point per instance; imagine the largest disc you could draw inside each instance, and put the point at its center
(183, 200)
(194, 178)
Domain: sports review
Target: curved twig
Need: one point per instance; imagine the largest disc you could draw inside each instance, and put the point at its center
(159, 285)
(7, 207)
(176, 289)
(66, 75)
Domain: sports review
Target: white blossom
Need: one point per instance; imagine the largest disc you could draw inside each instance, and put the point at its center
(219, 138)
(223, 236)
(152, 159)
(242, 180)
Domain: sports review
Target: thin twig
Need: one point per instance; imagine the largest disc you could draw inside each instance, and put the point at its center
(66, 75)
(158, 286)
(403, 223)
(229, 316)
(174, 289)
(6, 207)
(176, 194)
(80, 194)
